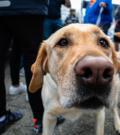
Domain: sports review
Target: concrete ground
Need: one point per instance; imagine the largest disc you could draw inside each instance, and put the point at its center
(84, 126)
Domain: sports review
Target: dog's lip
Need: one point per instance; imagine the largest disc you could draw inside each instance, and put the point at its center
(100, 93)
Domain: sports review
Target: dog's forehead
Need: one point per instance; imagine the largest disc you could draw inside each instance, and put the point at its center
(80, 28)
(84, 27)
(74, 29)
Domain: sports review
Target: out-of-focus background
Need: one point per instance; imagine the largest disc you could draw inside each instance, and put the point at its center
(83, 126)
(80, 6)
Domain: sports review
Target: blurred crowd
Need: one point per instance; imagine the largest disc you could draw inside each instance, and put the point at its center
(24, 25)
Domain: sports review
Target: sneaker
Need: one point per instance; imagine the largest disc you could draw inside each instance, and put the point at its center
(22, 72)
(37, 126)
(15, 90)
(26, 97)
(11, 117)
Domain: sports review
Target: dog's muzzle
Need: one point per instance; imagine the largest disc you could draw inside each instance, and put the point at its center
(94, 77)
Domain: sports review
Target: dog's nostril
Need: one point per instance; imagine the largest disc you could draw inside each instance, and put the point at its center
(87, 73)
(108, 73)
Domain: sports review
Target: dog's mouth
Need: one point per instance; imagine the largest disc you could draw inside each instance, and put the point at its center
(88, 97)
(93, 97)
(91, 103)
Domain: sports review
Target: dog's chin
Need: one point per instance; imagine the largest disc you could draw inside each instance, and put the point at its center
(91, 103)
(92, 97)
(88, 103)
(87, 97)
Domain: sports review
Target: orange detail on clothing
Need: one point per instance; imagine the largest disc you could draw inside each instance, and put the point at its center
(92, 2)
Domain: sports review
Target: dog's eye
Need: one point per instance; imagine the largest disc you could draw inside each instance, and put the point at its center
(103, 42)
(63, 42)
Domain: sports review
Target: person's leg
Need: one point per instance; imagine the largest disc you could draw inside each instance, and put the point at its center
(4, 45)
(15, 62)
(6, 117)
(57, 24)
(47, 28)
(105, 27)
(29, 58)
(116, 42)
(30, 35)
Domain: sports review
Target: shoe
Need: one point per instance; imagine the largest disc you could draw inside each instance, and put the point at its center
(11, 117)
(26, 97)
(37, 126)
(15, 90)
(22, 72)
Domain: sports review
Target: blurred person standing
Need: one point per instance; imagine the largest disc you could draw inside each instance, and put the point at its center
(22, 21)
(72, 17)
(99, 10)
(117, 27)
(53, 20)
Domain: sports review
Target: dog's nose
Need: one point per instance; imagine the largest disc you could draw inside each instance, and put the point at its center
(94, 70)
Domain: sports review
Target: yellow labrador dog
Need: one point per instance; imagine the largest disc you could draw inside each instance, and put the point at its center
(77, 69)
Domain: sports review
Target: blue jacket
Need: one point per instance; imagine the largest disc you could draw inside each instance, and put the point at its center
(93, 12)
(23, 7)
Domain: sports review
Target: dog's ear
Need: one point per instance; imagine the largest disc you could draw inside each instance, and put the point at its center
(118, 60)
(39, 68)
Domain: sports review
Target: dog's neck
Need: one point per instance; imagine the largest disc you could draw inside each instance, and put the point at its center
(50, 82)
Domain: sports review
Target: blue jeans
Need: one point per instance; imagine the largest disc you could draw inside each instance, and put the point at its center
(50, 26)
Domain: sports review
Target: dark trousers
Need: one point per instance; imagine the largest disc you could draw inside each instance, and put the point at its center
(15, 62)
(28, 32)
(105, 27)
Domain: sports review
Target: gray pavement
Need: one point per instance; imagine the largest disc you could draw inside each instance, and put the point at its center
(84, 126)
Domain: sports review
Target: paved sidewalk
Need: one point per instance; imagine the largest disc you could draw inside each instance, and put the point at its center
(84, 126)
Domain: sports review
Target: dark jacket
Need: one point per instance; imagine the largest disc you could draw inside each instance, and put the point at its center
(23, 7)
(54, 8)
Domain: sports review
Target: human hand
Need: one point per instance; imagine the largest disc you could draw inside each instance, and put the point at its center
(103, 4)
